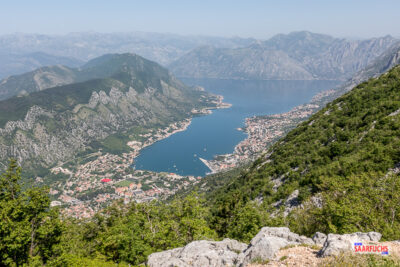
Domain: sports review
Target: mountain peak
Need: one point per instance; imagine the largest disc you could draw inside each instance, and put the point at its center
(122, 67)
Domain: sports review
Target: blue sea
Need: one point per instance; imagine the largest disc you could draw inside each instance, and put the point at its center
(217, 133)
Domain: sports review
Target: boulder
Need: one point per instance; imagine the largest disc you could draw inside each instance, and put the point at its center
(268, 242)
(319, 238)
(198, 254)
(336, 244)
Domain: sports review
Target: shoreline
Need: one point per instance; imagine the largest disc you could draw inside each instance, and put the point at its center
(138, 146)
(261, 131)
(264, 130)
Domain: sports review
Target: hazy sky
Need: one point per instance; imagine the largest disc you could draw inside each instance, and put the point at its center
(247, 18)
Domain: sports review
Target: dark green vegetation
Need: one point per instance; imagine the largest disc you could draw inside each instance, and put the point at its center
(28, 228)
(342, 155)
(32, 233)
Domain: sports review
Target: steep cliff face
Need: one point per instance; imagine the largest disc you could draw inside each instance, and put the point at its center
(296, 56)
(49, 126)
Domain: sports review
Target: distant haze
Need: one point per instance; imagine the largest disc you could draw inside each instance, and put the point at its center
(253, 18)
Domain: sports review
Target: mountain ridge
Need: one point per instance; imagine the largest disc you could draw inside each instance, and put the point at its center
(296, 56)
(51, 76)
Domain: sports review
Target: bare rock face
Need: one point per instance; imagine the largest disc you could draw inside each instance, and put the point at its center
(199, 254)
(268, 242)
(229, 252)
(335, 244)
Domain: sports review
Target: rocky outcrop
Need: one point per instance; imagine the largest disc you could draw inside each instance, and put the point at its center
(336, 244)
(268, 241)
(319, 238)
(199, 254)
(265, 246)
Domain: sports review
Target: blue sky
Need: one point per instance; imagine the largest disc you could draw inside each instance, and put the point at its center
(247, 18)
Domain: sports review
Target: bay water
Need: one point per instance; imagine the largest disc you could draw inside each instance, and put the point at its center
(218, 133)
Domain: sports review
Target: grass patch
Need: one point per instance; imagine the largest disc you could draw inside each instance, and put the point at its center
(283, 258)
(314, 247)
(115, 144)
(124, 183)
(288, 246)
(259, 260)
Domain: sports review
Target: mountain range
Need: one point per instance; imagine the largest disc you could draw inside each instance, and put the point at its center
(295, 56)
(68, 109)
(18, 51)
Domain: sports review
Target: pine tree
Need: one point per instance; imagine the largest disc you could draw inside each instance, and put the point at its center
(29, 229)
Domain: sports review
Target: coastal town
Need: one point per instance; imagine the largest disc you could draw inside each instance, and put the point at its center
(262, 131)
(103, 177)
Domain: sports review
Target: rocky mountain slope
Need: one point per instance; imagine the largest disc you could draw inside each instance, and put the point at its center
(121, 91)
(296, 56)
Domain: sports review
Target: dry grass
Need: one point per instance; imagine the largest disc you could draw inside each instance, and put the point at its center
(361, 260)
(306, 255)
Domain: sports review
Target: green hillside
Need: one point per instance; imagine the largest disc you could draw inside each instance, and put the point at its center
(343, 156)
